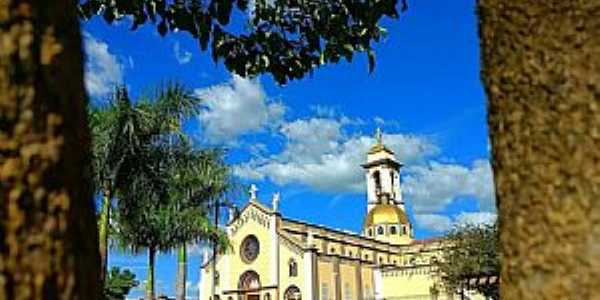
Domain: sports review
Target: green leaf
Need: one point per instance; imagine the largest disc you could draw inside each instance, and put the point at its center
(349, 48)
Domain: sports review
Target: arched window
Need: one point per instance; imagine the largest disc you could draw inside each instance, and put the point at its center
(293, 268)
(393, 229)
(292, 293)
(392, 179)
(377, 180)
(249, 280)
(370, 232)
(267, 296)
(229, 298)
(332, 250)
(217, 277)
(380, 230)
(403, 229)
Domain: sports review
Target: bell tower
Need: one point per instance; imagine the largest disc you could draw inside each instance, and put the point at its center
(382, 173)
(386, 219)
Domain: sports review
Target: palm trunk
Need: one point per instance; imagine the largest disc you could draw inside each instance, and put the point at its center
(181, 273)
(48, 233)
(150, 279)
(541, 69)
(103, 232)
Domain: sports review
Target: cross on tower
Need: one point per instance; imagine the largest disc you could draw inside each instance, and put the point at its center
(378, 136)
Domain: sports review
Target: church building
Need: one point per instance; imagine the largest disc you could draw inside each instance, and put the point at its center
(274, 257)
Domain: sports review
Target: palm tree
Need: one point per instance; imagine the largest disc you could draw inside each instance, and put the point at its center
(163, 207)
(199, 178)
(121, 132)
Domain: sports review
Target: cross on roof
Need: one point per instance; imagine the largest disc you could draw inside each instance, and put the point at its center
(253, 190)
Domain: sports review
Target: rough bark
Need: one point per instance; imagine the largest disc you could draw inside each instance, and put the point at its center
(541, 69)
(48, 237)
(103, 234)
(181, 273)
(150, 279)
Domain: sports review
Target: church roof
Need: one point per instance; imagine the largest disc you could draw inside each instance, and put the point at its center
(385, 214)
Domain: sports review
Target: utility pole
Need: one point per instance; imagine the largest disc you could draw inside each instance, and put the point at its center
(214, 256)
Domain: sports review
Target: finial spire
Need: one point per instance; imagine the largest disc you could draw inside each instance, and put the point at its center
(253, 191)
(378, 136)
(276, 199)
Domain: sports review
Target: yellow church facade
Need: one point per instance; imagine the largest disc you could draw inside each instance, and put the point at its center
(274, 257)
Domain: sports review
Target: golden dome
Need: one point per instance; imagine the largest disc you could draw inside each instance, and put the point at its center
(379, 147)
(385, 214)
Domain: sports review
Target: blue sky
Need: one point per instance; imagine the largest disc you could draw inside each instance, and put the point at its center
(307, 139)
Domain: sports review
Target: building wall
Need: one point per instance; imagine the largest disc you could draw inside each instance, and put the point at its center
(288, 251)
(408, 283)
(368, 286)
(262, 263)
(348, 280)
(326, 280)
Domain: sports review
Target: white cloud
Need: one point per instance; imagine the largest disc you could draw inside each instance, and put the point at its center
(432, 187)
(325, 111)
(236, 108)
(442, 223)
(434, 222)
(182, 56)
(102, 69)
(476, 218)
(318, 154)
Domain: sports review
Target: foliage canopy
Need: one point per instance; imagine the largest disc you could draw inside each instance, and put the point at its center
(162, 183)
(472, 252)
(282, 37)
(118, 284)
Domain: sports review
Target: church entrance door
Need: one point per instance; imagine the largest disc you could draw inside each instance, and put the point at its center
(252, 297)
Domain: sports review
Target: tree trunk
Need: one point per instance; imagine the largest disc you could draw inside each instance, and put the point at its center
(181, 273)
(150, 279)
(103, 232)
(48, 233)
(541, 69)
